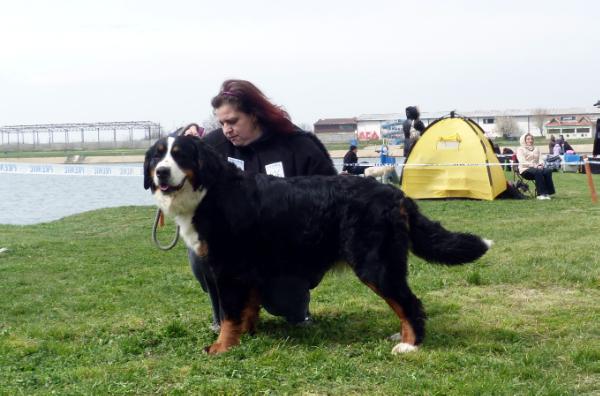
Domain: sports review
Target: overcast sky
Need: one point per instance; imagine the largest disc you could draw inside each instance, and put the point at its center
(119, 60)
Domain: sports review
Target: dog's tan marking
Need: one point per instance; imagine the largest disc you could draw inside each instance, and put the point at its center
(231, 331)
(190, 175)
(229, 336)
(408, 334)
(404, 214)
(201, 249)
(407, 331)
(250, 313)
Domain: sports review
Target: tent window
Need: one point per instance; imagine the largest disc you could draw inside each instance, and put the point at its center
(448, 145)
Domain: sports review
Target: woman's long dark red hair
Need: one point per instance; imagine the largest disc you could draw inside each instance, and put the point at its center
(246, 97)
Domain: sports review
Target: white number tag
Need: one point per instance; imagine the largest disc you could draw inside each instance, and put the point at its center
(237, 162)
(275, 169)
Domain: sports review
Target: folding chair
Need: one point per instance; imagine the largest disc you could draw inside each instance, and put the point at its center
(526, 187)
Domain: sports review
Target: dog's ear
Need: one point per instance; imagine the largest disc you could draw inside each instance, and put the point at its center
(209, 166)
(147, 176)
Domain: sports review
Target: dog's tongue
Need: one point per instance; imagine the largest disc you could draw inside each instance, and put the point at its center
(164, 188)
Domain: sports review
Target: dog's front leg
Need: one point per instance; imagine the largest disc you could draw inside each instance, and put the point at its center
(240, 306)
(229, 336)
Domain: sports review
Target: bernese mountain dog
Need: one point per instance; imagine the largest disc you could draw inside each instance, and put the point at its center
(253, 228)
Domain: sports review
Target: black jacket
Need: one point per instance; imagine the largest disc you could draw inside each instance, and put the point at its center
(300, 153)
(596, 150)
(350, 158)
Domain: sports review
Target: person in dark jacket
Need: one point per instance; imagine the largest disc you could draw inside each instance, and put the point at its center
(258, 137)
(412, 128)
(551, 145)
(351, 162)
(350, 159)
(596, 149)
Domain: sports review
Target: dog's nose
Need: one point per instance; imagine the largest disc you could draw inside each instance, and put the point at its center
(163, 172)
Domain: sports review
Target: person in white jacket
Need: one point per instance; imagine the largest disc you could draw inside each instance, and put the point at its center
(531, 167)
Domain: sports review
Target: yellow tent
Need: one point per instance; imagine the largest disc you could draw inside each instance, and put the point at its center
(460, 142)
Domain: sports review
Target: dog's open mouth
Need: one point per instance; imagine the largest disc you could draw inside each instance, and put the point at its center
(166, 188)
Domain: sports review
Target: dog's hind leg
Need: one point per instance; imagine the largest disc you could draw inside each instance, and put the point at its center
(250, 313)
(387, 278)
(409, 310)
(384, 270)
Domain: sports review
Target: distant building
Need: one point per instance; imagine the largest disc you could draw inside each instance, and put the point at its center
(335, 130)
(573, 122)
(374, 126)
(571, 127)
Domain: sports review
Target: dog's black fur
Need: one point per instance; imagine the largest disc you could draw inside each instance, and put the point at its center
(256, 227)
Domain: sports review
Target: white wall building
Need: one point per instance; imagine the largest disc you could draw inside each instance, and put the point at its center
(368, 126)
(570, 122)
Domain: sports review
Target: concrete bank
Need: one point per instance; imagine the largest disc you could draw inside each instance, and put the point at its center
(369, 151)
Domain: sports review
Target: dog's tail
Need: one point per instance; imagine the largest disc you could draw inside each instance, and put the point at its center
(432, 242)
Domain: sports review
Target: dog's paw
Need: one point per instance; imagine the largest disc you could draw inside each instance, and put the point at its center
(216, 348)
(403, 348)
(395, 337)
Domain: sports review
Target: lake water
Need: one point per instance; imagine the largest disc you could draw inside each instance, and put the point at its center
(34, 198)
(30, 199)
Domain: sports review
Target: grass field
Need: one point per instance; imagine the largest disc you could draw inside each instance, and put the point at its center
(89, 306)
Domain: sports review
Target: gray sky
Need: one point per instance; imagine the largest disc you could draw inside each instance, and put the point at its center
(119, 60)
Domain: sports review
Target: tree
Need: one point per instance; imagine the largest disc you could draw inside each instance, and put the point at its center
(211, 123)
(539, 119)
(305, 127)
(507, 126)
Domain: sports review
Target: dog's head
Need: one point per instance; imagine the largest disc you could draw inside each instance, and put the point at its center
(173, 162)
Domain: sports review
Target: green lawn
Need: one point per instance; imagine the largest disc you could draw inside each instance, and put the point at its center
(89, 306)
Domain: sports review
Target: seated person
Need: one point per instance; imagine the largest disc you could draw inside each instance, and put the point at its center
(351, 163)
(505, 158)
(556, 150)
(564, 145)
(531, 167)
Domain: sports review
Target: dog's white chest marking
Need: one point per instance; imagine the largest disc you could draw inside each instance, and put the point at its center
(189, 234)
(181, 204)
